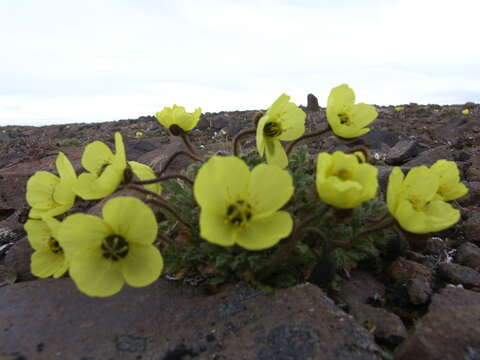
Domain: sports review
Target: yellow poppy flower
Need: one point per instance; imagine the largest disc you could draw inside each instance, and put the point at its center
(283, 121)
(241, 207)
(465, 111)
(343, 181)
(138, 134)
(145, 172)
(347, 119)
(413, 201)
(50, 195)
(105, 169)
(106, 253)
(48, 258)
(450, 187)
(177, 116)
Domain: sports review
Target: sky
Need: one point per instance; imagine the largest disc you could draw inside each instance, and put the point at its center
(65, 61)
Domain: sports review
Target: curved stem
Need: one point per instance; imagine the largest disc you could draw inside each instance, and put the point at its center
(174, 212)
(165, 177)
(380, 226)
(239, 136)
(306, 136)
(188, 144)
(172, 157)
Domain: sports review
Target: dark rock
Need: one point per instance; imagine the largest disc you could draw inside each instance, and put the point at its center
(468, 254)
(419, 290)
(473, 195)
(361, 288)
(219, 122)
(312, 103)
(164, 320)
(450, 329)
(404, 270)
(388, 328)
(401, 152)
(459, 274)
(138, 147)
(379, 139)
(17, 259)
(429, 157)
(472, 226)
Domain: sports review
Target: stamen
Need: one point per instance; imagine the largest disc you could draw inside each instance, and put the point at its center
(114, 247)
(239, 213)
(272, 129)
(54, 246)
(344, 119)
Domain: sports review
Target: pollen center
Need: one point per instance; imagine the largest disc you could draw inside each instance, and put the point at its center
(54, 246)
(344, 119)
(239, 213)
(114, 247)
(344, 174)
(417, 203)
(272, 129)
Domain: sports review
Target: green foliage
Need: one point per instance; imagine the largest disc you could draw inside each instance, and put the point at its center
(69, 142)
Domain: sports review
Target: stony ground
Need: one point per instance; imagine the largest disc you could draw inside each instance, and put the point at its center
(424, 304)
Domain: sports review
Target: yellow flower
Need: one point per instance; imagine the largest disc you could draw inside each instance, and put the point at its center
(176, 116)
(283, 121)
(50, 195)
(145, 172)
(343, 181)
(105, 169)
(450, 187)
(48, 258)
(347, 119)
(241, 207)
(413, 201)
(399, 108)
(106, 253)
(465, 111)
(138, 134)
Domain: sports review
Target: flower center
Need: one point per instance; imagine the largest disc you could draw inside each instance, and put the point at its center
(239, 213)
(114, 247)
(272, 129)
(344, 119)
(54, 246)
(344, 174)
(416, 202)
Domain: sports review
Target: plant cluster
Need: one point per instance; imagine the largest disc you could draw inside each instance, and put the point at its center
(233, 216)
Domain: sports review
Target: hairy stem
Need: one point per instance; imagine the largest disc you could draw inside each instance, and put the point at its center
(239, 136)
(305, 137)
(165, 177)
(377, 227)
(188, 144)
(176, 154)
(174, 212)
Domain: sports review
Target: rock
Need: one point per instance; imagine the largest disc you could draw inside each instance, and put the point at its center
(312, 103)
(450, 329)
(472, 226)
(17, 259)
(459, 274)
(168, 321)
(429, 157)
(219, 122)
(473, 195)
(404, 270)
(419, 290)
(137, 147)
(361, 288)
(387, 327)
(401, 152)
(468, 254)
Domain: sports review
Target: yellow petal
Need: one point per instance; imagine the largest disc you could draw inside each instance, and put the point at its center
(65, 169)
(339, 98)
(265, 232)
(132, 219)
(221, 181)
(213, 228)
(63, 193)
(145, 172)
(96, 156)
(276, 154)
(260, 137)
(80, 231)
(119, 160)
(45, 263)
(142, 265)
(94, 275)
(40, 188)
(38, 233)
(270, 188)
(363, 114)
(393, 189)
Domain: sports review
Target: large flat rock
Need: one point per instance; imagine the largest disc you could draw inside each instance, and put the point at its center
(51, 319)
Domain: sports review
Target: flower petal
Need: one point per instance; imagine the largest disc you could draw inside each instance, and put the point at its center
(94, 275)
(145, 172)
(214, 228)
(40, 188)
(38, 233)
(221, 181)
(95, 156)
(265, 232)
(270, 188)
(45, 263)
(131, 218)
(142, 265)
(363, 114)
(65, 169)
(393, 189)
(276, 154)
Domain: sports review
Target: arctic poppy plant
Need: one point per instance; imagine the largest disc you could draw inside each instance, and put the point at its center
(283, 121)
(347, 119)
(104, 253)
(239, 206)
(176, 119)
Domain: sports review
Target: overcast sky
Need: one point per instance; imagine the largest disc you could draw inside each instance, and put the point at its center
(67, 61)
